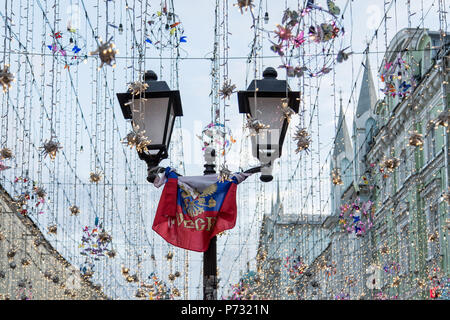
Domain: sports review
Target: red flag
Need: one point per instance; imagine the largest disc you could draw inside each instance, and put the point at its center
(192, 210)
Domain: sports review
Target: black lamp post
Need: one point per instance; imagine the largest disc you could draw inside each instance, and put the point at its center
(153, 111)
(267, 101)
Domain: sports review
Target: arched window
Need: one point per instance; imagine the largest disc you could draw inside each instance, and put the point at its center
(426, 57)
(347, 172)
(370, 132)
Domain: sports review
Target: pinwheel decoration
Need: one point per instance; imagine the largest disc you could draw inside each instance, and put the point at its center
(398, 78)
(315, 26)
(68, 47)
(217, 136)
(165, 30)
(357, 217)
(95, 241)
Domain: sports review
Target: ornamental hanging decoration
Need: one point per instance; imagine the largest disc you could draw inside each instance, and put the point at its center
(95, 241)
(389, 164)
(3, 167)
(52, 229)
(442, 119)
(50, 148)
(165, 30)
(24, 290)
(6, 78)
(416, 139)
(6, 154)
(227, 90)
(398, 78)
(313, 26)
(74, 210)
(107, 53)
(30, 190)
(244, 5)
(95, 177)
(157, 289)
(357, 217)
(217, 136)
(255, 126)
(336, 177)
(137, 140)
(392, 268)
(287, 111)
(68, 47)
(303, 140)
(224, 174)
(246, 288)
(295, 266)
(137, 88)
(87, 270)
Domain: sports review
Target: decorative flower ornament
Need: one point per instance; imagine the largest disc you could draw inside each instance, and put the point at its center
(336, 177)
(6, 153)
(52, 229)
(390, 164)
(288, 112)
(244, 4)
(104, 237)
(443, 119)
(303, 140)
(74, 210)
(227, 89)
(6, 78)
(416, 140)
(111, 254)
(137, 140)
(224, 174)
(40, 192)
(255, 125)
(137, 88)
(95, 177)
(107, 52)
(50, 148)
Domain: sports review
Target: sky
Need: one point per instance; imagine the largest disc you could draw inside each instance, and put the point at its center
(85, 114)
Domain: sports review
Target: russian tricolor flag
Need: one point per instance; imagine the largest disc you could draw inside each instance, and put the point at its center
(192, 210)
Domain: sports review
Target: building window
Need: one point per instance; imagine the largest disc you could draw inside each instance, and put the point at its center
(431, 144)
(403, 169)
(433, 231)
(347, 172)
(426, 58)
(403, 244)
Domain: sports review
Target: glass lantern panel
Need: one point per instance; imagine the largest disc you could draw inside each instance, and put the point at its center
(170, 126)
(269, 112)
(150, 116)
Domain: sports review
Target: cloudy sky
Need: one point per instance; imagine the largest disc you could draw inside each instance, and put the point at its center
(93, 95)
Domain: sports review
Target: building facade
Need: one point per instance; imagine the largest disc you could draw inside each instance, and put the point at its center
(288, 243)
(392, 177)
(30, 268)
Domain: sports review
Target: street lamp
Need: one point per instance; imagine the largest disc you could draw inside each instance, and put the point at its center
(153, 111)
(268, 104)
